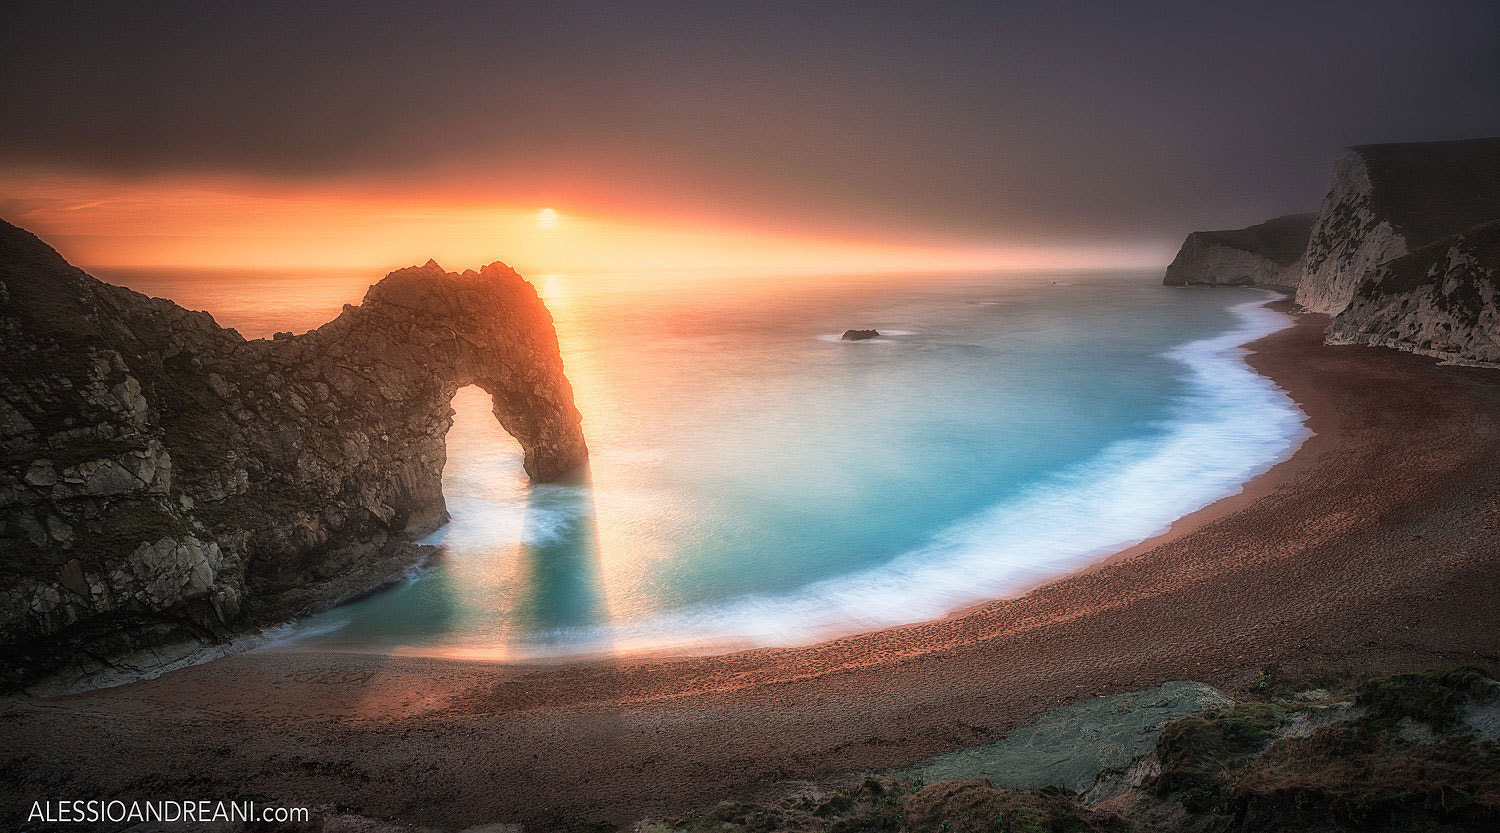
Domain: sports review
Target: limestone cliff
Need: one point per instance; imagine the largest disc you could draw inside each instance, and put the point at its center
(1441, 300)
(1387, 200)
(164, 481)
(1267, 254)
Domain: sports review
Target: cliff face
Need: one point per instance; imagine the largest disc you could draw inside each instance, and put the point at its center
(1441, 300)
(165, 481)
(1387, 200)
(1268, 254)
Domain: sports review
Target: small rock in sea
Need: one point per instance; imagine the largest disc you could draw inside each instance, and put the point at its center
(859, 335)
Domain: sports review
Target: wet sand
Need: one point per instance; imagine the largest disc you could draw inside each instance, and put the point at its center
(1377, 546)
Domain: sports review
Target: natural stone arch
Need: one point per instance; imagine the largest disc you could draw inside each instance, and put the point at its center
(422, 325)
(167, 480)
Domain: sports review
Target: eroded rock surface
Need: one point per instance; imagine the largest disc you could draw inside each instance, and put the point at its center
(163, 480)
(1267, 254)
(1441, 300)
(1388, 200)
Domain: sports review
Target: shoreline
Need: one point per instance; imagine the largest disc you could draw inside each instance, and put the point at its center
(1322, 434)
(404, 559)
(1366, 549)
(666, 643)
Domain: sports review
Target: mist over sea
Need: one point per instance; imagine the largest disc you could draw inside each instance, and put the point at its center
(756, 481)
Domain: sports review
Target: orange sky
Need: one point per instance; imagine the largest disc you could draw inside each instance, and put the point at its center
(222, 222)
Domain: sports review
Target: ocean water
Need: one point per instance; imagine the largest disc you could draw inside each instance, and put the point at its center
(756, 481)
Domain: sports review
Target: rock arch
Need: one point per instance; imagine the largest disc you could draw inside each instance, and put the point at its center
(164, 479)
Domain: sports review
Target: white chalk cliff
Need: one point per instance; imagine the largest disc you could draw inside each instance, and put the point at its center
(1387, 200)
(1266, 254)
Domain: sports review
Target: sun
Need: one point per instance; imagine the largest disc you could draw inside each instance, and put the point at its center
(547, 218)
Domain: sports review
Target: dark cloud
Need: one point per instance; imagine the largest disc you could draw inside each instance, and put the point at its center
(1012, 121)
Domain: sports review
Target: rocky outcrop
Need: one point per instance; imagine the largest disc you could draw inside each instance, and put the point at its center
(1388, 200)
(165, 481)
(1268, 254)
(1070, 746)
(1399, 753)
(859, 335)
(1441, 300)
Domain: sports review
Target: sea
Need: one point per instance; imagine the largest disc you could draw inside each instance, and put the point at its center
(757, 481)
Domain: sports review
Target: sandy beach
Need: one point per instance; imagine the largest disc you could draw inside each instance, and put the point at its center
(1376, 546)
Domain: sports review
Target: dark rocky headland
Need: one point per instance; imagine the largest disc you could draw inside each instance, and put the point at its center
(166, 484)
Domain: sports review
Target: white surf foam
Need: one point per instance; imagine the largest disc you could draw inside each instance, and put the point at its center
(1232, 426)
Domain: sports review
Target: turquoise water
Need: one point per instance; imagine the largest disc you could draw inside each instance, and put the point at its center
(755, 481)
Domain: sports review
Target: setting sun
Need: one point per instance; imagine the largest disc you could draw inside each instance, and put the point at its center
(209, 222)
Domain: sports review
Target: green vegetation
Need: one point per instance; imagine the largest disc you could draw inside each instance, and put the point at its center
(72, 454)
(1379, 770)
(1321, 751)
(128, 524)
(1429, 190)
(1277, 684)
(125, 525)
(1400, 758)
(1282, 240)
(1198, 754)
(1429, 269)
(197, 432)
(879, 805)
(977, 807)
(1432, 698)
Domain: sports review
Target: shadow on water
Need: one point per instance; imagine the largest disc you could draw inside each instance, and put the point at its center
(560, 592)
(427, 607)
(539, 591)
(552, 586)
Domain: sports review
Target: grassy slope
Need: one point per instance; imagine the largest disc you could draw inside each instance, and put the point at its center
(1430, 190)
(1283, 239)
